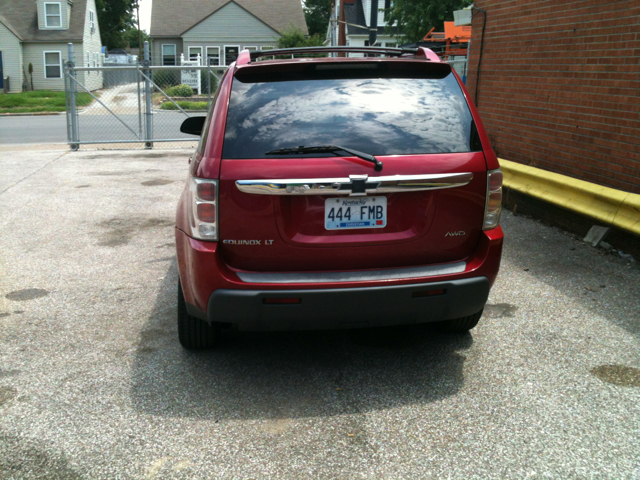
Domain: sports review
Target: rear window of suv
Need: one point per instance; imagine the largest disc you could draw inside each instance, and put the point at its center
(393, 115)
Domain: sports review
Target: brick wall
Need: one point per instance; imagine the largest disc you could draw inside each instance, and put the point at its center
(559, 85)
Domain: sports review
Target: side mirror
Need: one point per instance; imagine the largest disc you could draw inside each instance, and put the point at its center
(193, 125)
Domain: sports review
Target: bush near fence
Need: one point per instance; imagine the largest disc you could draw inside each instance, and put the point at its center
(203, 79)
(166, 78)
(181, 90)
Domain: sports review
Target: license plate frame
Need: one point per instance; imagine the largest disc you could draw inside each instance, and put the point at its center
(355, 213)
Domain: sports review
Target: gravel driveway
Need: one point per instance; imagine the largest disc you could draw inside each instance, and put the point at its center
(94, 385)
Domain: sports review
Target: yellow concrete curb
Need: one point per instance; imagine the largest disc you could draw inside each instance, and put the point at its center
(607, 205)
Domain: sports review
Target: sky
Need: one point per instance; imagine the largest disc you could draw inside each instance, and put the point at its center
(145, 14)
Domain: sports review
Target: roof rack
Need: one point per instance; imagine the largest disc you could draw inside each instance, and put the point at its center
(395, 52)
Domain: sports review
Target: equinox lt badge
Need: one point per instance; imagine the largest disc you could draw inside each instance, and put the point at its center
(247, 242)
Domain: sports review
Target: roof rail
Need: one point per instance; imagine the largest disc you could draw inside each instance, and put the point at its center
(395, 52)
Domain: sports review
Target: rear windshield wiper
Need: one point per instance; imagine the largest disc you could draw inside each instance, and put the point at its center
(328, 149)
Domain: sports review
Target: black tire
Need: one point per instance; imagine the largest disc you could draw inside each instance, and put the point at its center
(193, 333)
(460, 325)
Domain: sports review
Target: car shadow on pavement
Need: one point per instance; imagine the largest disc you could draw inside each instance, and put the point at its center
(290, 374)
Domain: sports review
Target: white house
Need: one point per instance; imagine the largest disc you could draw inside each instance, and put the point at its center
(37, 32)
(218, 30)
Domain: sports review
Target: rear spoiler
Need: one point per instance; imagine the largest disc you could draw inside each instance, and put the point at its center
(247, 57)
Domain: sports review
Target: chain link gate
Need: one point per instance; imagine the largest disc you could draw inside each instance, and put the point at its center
(135, 103)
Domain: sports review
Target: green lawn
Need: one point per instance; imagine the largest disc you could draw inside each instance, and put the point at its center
(40, 101)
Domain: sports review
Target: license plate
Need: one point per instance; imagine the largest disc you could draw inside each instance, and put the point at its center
(347, 213)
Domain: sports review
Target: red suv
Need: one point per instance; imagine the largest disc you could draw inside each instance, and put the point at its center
(337, 192)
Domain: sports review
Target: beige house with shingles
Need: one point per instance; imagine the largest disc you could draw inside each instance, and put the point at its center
(37, 32)
(218, 30)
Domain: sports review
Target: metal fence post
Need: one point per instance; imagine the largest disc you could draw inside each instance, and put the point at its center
(73, 111)
(208, 81)
(147, 95)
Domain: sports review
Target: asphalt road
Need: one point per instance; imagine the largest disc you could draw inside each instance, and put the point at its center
(39, 129)
(94, 385)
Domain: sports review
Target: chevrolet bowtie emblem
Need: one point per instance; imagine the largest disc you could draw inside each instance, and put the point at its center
(359, 186)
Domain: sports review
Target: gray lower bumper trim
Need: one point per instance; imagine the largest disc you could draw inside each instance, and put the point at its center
(362, 276)
(349, 307)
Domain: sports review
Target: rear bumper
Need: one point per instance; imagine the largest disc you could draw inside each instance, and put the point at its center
(349, 307)
(216, 293)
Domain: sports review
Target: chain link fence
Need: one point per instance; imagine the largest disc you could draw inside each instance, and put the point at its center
(460, 65)
(136, 104)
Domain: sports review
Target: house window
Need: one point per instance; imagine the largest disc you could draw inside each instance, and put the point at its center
(194, 52)
(231, 54)
(391, 45)
(168, 54)
(52, 65)
(213, 56)
(52, 15)
(92, 21)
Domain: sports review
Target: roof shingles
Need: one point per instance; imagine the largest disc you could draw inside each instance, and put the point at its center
(21, 17)
(171, 18)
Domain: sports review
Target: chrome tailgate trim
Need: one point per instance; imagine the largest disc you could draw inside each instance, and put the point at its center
(363, 276)
(355, 185)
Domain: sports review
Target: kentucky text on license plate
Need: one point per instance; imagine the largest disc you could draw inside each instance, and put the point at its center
(346, 213)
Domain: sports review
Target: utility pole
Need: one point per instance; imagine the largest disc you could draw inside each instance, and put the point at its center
(139, 31)
(342, 26)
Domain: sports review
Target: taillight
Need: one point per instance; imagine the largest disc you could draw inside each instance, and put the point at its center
(203, 208)
(493, 207)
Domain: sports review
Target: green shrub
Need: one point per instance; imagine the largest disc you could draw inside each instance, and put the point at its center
(166, 78)
(181, 90)
(203, 80)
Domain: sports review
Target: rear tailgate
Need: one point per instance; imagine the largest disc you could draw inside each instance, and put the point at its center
(287, 232)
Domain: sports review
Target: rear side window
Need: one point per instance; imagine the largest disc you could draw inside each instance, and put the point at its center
(380, 116)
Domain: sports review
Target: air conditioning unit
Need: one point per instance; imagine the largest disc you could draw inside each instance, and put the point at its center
(462, 17)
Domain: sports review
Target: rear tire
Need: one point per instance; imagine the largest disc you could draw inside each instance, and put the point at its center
(460, 325)
(193, 333)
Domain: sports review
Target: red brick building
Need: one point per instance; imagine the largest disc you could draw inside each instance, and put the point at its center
(558, 86)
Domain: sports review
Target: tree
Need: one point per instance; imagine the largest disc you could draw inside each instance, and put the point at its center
(414, 18)
(114, 18)
(293, 37)
(317, 13)
(131, 37)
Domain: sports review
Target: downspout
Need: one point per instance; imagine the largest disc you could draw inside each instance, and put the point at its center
(484, 24)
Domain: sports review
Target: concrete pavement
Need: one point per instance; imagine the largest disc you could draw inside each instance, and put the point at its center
(93, 382)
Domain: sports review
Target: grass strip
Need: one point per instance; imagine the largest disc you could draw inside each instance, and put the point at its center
(185, 105)
(39, 101)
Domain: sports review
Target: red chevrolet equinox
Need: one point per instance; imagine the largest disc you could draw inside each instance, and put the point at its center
(337, 192)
